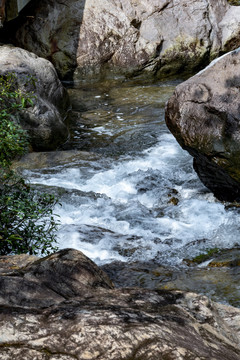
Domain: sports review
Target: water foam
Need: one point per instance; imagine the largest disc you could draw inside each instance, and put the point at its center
(146, 203)
(131, 208)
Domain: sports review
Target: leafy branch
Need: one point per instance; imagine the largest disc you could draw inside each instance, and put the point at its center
(27, 222)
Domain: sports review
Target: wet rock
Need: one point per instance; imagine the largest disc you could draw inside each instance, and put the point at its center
(217, 277)
(76, 314)
(218, 283)
(173, 200)
(129, 37)
(217, 258)
(45, 120)
(229, 258)
(203, 115)
(46, 159)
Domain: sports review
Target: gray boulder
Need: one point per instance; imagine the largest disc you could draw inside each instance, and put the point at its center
(45, 120)
(51, 280)
(203, 114)
(64, 307)
(155, 37)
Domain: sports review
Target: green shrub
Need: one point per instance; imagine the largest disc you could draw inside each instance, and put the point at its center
(27, 222)
(12, 101)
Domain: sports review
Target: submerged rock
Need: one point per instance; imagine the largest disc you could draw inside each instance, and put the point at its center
(158, 38)
(63, 307)
(203, 114)
(46, 159)
(45, 120)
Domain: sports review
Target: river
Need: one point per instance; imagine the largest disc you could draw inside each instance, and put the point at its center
(133, 202)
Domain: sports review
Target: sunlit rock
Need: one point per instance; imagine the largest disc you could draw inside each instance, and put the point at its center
(155, 37)
(64, 307)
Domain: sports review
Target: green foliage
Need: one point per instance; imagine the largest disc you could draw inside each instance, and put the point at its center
(12, 101)
(27, 222)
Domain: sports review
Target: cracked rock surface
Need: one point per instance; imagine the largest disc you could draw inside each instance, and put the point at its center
(64, 307)
(155, 37)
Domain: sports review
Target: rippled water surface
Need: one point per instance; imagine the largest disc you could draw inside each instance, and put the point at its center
(132, 196)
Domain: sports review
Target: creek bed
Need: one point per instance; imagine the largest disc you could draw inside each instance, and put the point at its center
(130, 198)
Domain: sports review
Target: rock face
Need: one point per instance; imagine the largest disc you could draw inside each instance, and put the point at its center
(45, 120)
(156, 37)
(63, 307)
(203, 114)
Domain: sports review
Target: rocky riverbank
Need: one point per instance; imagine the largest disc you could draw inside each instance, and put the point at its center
(64, 307)
(101, 38)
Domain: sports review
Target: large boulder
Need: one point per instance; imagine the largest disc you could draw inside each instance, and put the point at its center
(64, 307)
(51, 280)
(156, 37)
(45, 120)
(203, 114)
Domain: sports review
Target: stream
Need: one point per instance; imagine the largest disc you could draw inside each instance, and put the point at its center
(131, 200)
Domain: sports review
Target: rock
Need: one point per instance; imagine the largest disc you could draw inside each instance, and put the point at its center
(203, 114)
(217, 276)
(155, 37)
(8, 264)
(214, 281)
(46, 159)
(45, 120)
(78, 315)
(51, 280)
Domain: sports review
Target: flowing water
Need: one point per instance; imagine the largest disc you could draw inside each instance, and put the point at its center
(133, 203)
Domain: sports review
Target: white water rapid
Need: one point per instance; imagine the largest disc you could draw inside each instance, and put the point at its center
(134, 196)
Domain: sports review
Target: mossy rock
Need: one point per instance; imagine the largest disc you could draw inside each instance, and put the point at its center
(234, 2)
(199, 259)
(218, 258)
